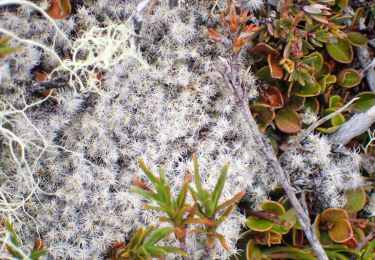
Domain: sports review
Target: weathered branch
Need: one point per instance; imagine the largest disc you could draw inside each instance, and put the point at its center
(365, 59)
(355, 126)
(239, 89)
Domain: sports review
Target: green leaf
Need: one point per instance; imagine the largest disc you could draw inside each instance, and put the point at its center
(274, 207)
(258, 224)
(329, 130)
(309, 90)
(13, 235)
(173, 250)
(340, 51)
(155, 251)
(369, 250)
(148, 172)
(252, 251)
(145, 233)
(357, 38)
(219, 185)
(315, 59)
(280, 229)
(288, 121)
(337, 120)
(340, 19)
(331, 79)
(147, 194)
(289, 217)
(349, 78)
(263, 112)
(137, 238)
(296, 103)
(356, 17)
(290, 253)
(355, 200)
(36, 254)
(365, 102)
(342, 3)
(158, 235)
(182, 195)
(265, 74)
(14, 251)
(312, 104)
(5, 50)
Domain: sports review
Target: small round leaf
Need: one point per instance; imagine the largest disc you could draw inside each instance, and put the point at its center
(341, 231)
(258, 224)
(274, 207)
(355, 200)
(341, 51)
(333, 214)
(288, 121)
(309, 90)
(349, 78)
(357, 39)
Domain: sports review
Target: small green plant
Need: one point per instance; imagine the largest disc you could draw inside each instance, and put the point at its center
(12, 244)
(206, 209)
(142, 245)
(180, 214)
(209, 207)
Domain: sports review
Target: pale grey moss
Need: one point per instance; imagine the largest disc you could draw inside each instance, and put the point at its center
(324, 169)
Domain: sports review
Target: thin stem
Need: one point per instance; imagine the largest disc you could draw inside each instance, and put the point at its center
(264, 148)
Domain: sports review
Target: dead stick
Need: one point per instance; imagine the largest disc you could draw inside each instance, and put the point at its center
(240, 90)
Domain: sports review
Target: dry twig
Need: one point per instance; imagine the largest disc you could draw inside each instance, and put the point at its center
(240, 89)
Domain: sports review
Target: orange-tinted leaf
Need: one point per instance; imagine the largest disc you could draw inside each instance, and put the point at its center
(40, 76)
(275, 238)
(276, 69)
(288, 121)
(140, 184)
(38, 245)
(340, 231)
(333, 214)
(215, 36)
(59, 9)
(264, 49)
(179, 232)
(203, 221)
(238, 43)
(222, 241)
(273, 96)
